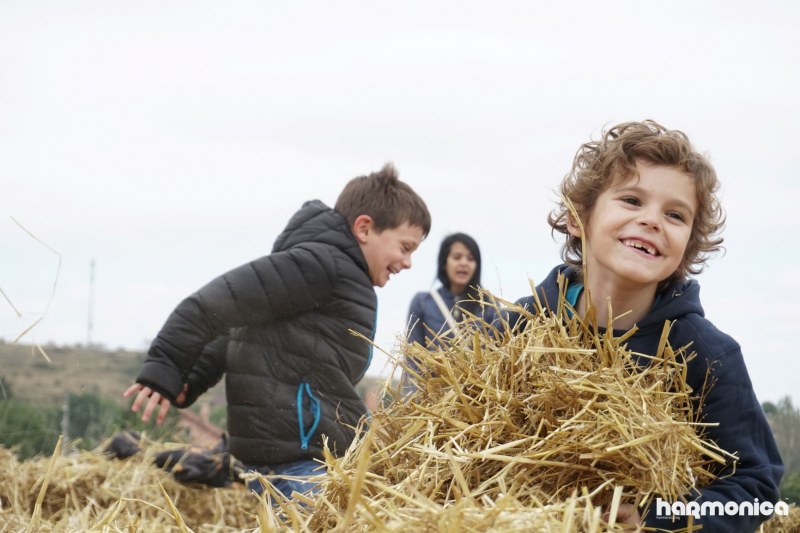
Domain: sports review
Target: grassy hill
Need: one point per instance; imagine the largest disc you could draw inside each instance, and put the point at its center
(33, 378)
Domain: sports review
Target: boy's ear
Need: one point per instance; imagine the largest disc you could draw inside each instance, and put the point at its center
(362, 226)
(573, 228)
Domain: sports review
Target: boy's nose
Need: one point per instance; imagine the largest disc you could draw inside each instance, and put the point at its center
(649, 218)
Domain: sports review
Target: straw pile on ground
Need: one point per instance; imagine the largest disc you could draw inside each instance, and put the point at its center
(784, 524)
(88, 491)
(542, 428)
(538, 428)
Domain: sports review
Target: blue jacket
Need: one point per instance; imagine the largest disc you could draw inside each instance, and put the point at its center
(423, 313)
(731, 402)
(425, 316)
(283, 327)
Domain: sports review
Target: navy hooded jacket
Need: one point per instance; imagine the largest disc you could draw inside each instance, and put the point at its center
(743, 428)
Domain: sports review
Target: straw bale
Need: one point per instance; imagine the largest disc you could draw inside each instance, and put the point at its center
(783, 524)
(542, 428)
(87, 490)
(542, 425)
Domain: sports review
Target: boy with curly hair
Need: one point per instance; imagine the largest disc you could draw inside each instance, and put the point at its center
(647, 218)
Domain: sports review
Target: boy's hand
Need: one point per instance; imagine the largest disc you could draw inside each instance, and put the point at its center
(628, 515)
(153, 399)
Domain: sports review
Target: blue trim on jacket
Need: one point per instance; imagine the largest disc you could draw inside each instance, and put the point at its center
(369, 355)
(305, 436)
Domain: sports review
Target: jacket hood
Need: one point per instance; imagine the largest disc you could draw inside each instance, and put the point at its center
(680, 298)
(315, 222)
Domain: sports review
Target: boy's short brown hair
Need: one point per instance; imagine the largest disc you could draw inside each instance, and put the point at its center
(389, 201)
(599, 165)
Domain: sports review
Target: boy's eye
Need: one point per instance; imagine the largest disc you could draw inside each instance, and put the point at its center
(676, 215)
(632, 200)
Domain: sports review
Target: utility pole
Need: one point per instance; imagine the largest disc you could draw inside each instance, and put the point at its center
(91, 306)
(65, 423)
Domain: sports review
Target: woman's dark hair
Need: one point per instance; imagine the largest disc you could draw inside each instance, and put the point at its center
(444, 250)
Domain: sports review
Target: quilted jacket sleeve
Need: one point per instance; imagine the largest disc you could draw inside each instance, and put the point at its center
(274, 287)
(207, 371)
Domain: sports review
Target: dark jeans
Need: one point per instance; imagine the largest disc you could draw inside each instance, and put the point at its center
(302, 468)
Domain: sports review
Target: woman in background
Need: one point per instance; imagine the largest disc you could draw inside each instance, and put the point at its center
(435, 312)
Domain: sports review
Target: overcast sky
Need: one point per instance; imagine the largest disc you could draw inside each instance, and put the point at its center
(171, 141)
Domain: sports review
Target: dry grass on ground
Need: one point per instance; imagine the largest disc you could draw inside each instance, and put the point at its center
(88, 491)
(538, 429)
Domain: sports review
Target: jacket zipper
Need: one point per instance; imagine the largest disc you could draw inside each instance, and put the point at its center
(304, 389)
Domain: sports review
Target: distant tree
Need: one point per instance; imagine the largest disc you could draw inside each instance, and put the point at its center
(30, 430)
(33, 429)
(93, 418)
(790, 488)
(785, 421)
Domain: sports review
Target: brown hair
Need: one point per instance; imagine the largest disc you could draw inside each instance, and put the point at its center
(387, 200)
(600, 164)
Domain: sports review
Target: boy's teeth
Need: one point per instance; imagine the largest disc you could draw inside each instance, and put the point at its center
(640, 246)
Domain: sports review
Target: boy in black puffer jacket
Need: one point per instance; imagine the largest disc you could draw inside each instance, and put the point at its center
(279, 328)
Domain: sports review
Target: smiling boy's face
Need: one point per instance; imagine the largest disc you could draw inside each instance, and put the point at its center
(389, 251)
(638, 229)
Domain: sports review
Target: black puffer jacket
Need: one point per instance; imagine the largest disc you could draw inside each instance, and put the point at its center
(291, 362)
